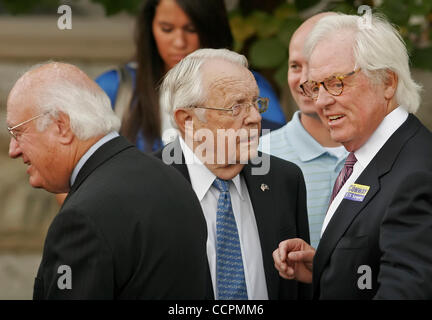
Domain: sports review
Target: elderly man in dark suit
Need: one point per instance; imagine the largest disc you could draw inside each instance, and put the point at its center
(130, 227)
(250, 202)
(376, 238)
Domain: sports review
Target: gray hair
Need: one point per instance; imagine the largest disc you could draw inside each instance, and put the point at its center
(88, 107)
(182, 86)
(378, 48)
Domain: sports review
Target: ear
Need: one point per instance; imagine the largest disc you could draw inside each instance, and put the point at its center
(390, 85)
(180, 117)
(64, 130)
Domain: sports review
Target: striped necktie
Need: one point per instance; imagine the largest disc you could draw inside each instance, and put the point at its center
(343, 175)
(230, 278)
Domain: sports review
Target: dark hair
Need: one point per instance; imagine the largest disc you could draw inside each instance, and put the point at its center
(211, 22)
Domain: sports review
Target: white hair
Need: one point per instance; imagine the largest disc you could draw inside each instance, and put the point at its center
(378, 48)
(182, 86)
(88, 107)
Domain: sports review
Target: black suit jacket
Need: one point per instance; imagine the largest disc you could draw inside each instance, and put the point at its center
(280, 213)
(390, 231)
(130, 228)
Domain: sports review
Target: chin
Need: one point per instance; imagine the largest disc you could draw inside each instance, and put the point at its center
(340, 137)
(246, 155)
(336, 138)
(229, 172)
(36, 184)
(247, 151)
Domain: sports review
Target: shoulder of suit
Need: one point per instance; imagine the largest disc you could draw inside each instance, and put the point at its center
(279, 162)
(278, 165)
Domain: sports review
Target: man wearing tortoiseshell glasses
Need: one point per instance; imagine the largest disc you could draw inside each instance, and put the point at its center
(305, 140)
(376, 236)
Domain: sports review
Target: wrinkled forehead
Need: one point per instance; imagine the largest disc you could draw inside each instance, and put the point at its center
(225, 78)
(330, 56)
(19, 101)
(18, 111)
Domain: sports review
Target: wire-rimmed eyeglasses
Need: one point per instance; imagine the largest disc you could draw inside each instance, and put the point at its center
(260, 104)
(11, 129)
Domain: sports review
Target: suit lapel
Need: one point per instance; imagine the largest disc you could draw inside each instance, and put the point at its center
(180, 166)
(342, 218)
(172, 155)
(263, 201)
(348, 210)
(102, 154)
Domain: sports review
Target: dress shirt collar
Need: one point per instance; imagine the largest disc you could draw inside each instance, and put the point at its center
(385, 130)
(305, 145)
(201, 177)
(89, 153)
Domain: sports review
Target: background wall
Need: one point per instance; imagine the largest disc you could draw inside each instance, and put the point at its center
(95, 44)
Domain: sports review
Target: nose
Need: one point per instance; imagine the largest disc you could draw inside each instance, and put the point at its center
(14, 149)
(304, 74)
(179, 40)
(324, 98)
(253, 116)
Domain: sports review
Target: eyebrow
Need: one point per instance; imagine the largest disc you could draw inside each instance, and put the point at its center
(335, 74)
(169, 24)
(242, 98)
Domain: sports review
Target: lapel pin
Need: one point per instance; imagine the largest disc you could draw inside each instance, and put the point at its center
(264, 187)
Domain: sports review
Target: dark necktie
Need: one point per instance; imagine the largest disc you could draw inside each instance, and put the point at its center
(230, 277)
(343, 175)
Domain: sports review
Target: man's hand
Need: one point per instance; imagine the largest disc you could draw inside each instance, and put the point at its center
(293, 259)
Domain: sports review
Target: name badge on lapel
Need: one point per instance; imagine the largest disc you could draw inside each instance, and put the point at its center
(356, 192)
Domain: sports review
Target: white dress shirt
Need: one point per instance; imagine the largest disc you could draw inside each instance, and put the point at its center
(366, 153)
(202, 180)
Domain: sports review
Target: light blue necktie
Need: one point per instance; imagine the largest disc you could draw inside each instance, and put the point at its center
(230, 278)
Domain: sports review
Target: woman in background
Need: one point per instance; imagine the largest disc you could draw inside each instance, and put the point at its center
(166, 32)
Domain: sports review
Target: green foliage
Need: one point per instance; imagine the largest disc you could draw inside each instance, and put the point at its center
(305, 4)
(398, 11)
(280, 76)
(268, 34)
(421, 58)
(264, 36)
(267, 53)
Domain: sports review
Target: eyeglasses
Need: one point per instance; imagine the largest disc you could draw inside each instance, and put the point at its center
(334, 85)
(15, 135)
(260, 104)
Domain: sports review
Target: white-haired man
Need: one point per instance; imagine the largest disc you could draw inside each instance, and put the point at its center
(130, 227)
(213, 99)
(377, 232)
(306, 140)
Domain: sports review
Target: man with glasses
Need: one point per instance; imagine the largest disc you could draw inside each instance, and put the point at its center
(130, 227)
(305, 140)
(376, 237)
(214, 102)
